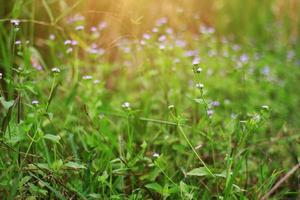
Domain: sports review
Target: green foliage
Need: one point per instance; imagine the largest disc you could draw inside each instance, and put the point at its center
(163, 116)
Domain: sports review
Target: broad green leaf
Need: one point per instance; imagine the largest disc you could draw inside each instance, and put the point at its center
(6, 104)
(201, 171)
(156, 187)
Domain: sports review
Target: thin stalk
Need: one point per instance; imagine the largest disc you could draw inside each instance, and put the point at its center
(194, 150)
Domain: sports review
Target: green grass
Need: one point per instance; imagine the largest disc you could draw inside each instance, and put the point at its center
(135, 122)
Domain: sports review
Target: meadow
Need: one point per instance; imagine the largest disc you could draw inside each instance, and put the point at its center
(136, 99)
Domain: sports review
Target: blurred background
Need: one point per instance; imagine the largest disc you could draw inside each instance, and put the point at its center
(244, 20)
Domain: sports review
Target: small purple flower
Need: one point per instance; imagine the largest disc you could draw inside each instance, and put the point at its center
(67, 42)
(162, 38)
(162, 46)
(87, 77)
(38, 67)
(236, 47)
(74, 42)
(212, 53)
(196, 61)
(215, 103)
(102, 25)
(155, 30)
(92, 51)
(169, 31)
(146, 36)
(93, 29)
(244, 58)
(76, 18)
(176, 60)
(69, 50)
(225, 54)
(210, 112)
(191, 53)
(161, 21)
(291, 54)
(79, 28)
(206, 30)
(18, 42)
(266, 70)
(52, 37)
(180, 43)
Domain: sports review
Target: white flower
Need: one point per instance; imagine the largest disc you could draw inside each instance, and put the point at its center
(87, 77)
(15, 22)
(35, 102)
(102, 25)
(79, 28)
(17, 42)
(55, 70)
(155, 30)
(233, 115)
(1, 76)
(162, 38)
(156, 155)
(142, 42)
(93, 29)
(126, 105)
(199, 70)
(52, 37)
(171, 106)
(265, 107)
(210, 112)
(69, 50)
(67, 42)
(161, 21)
(162, 46)
(244, 58)
(199, 85)
(196, 61)
(96, 81)
(146, 36)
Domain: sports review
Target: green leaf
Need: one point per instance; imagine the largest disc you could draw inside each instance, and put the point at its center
(200, 101)
(184, 187)
(53, 190)
(201, 171)
(24, 180)
(74, 165)
(53, 138)
(102, 179)
(156, 187)
(6, 104)
(57, 165)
